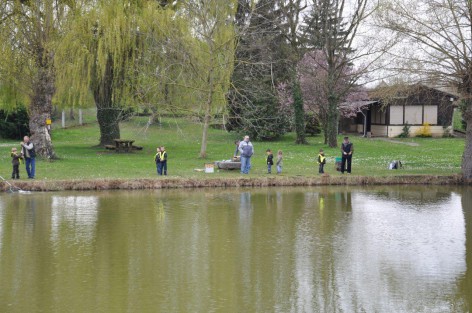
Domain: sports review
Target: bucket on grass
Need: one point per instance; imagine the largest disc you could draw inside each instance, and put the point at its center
(337, 164)
(209, 168)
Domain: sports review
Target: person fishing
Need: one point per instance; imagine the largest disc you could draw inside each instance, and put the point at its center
(347, 149)
(29, 154)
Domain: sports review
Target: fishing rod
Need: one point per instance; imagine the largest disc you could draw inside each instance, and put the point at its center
(14, 188)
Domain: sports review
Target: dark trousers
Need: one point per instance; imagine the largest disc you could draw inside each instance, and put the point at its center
(321, 170)
(162, 168)
(345, 158)
(16, 172)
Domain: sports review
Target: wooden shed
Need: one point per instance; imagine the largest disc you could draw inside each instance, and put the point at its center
(390, 110)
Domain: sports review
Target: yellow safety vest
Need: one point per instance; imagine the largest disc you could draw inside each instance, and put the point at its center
(322, 158)
(162, 155)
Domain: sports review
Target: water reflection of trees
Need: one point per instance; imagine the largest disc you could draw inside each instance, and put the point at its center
(258, 250)
(465, 282)
(397, 258)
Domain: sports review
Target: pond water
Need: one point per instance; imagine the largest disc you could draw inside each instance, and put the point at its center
(326, 249)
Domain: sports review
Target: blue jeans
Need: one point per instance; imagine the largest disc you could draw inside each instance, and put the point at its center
(279, 169)
(162, 167)
(269, 168)
(30, 167)
(245, 165)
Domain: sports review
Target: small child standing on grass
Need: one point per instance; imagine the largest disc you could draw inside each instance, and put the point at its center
(280, 161)
(321, 161)
(15, 161)
(269, 161)
(163, 161)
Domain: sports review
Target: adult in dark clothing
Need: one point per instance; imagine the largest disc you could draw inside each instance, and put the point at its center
(347, 149)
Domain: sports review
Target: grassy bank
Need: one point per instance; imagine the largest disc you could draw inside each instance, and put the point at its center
(210, 182)
(80, 159)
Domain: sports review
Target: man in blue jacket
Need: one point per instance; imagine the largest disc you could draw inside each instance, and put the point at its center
(247, 150)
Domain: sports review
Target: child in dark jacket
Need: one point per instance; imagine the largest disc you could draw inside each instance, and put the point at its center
(269, 161)
(15, 161)
(321, 161)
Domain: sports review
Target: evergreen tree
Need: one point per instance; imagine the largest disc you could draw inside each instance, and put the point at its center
(326, 30)
(259, 66)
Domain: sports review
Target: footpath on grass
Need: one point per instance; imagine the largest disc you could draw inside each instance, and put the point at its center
(170, 182)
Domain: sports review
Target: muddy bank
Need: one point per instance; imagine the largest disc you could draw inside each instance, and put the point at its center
(163, 183)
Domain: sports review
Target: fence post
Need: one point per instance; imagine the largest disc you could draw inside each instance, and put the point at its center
(80, 117)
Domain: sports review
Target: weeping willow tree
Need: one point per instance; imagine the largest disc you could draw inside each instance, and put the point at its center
(163, 75)
(28, 32)
(99, 55)
(210, 56)
(188, 61)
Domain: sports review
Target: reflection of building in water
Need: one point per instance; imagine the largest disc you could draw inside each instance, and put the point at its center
(400, 258)
(414, 194)
(78, 212)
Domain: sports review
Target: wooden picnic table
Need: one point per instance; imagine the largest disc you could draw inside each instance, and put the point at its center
(123, 145)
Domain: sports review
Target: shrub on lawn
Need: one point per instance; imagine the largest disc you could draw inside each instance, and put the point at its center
(424, 131)
(405, 132)
(15, 124)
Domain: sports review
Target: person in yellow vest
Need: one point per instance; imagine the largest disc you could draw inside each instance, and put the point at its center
(162, 166)
(321, 161)
(157, 159)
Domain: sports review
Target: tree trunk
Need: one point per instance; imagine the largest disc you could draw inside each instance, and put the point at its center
(467, 156)
(332, 120)
(206, 124)
(108, 115)
(71, 114)
(299, 113)
(40, 110)
(207, 119)
(324, 123)
(154, 117)
(108, 121)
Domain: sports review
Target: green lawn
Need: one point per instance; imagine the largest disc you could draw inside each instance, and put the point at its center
(81, 159)
(457, 121)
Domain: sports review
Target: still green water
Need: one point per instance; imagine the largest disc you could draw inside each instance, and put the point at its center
(384, 249)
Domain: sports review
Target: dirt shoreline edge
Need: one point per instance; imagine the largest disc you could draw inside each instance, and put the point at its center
(172, 183)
